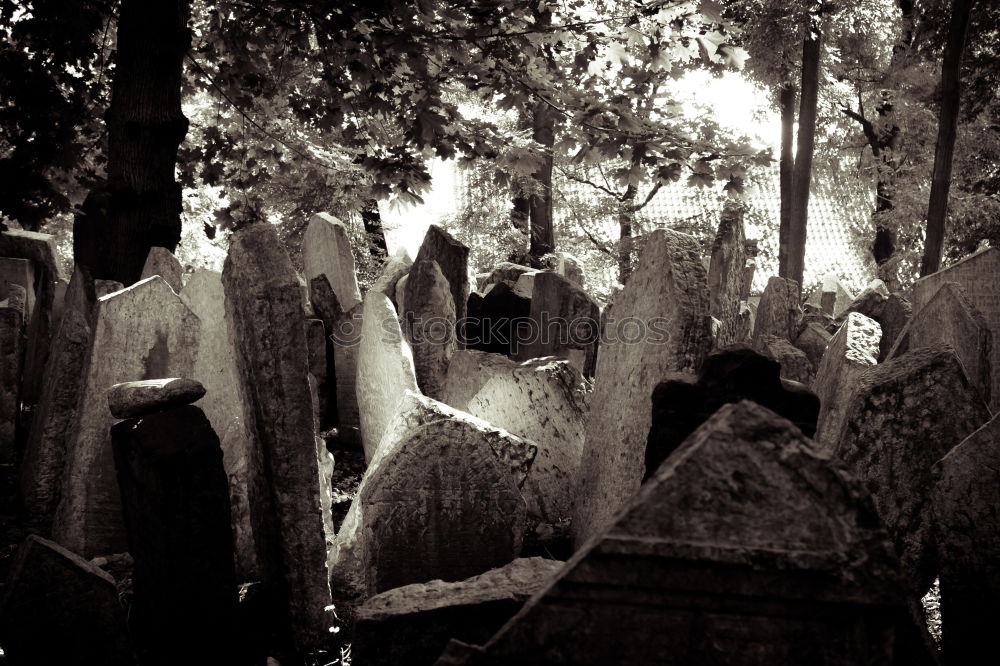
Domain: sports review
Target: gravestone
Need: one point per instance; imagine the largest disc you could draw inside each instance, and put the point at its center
(977, 275)
(398, 265)
(525, 284)
(794, 363)
(831, 297)
(12, 344)
(725, 275)
(813, 341)
(752, 250)
(440, 500)
(667, 291)
(851, 352)
(20, 272)
(385, 369)
(58, 608)
(326, 250)
(215, 368)
(746, 547)
(161, 261)
(949, 318)
(412, 624)
(428, 314)
(452, 258)
(570, 268)
(175, 502)
(266, 323)
(683, 402)
(40, 475)
(890, 310)
(131, 399)
(904, 416)
(966, 503)
(343, 333)
(505, 272)
(400, 297)
(778, 311)
(541, 400)
(565, 321)
(316, 347)
(504, 320)
(142, 332)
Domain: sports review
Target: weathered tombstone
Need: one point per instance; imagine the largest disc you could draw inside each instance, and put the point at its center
(525, 284)
(794, 363)
(162, 262)
(904, 416)
(505, 272)
(778, 311)
(949, 318)
(129, 400)
(503, 320)
(541, 400)
(175, 502)
(385, 369)
(412, 624)
(398, 265)
(142, 332)
(966, 503)
(41, 471)
(682, 402)
(326, 250)
(565, 322)
(890, 310)
(813, 341)
(851, 352)
(428, 314)
(570, 268)
(266, 321)
(831, 297)
(440, 499)
(667, 295)
(452, 258)
(725, 275)
(977, 274)
(20, 272)
(747, 547)
(12, 344)
(215, 368)
(343, 330)
(58, 608)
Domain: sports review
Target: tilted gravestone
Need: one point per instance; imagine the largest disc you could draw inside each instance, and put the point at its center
(852, 351)
(175, 502)
(452, 258)
(428, 319)
(161, 261)
(505, 272)
(966, 507)
(41, 470)
(326, 250)
(385, 369)
(949, 318)
(541, 400)
(683, 402)
(904, 416)
(142, 332)
(266, 322)
(890, 310)
(778, 311)
(440, 499)
(746, 547)
(725, 275)
(398, 265)
(412, 624)
(659, 323)
(58, 608)
(813, 341)
(343, 330)
(565, 322)
(12, 344)
(795, 365)
(831, 297)
(215, 367)
(977, 274)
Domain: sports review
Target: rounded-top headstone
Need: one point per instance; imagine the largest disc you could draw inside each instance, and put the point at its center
(131, 399)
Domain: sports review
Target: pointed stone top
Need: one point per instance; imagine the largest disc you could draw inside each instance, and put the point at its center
(130, 399)
(162, 262)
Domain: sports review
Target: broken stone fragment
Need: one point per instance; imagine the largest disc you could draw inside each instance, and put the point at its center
(130, 399)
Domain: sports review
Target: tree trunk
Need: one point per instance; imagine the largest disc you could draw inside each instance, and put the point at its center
(145, 127)
(951, 95)
(626, 215)
(804, 149)
(543, 131)
(786, 169)
(520, 212)
(372, 219)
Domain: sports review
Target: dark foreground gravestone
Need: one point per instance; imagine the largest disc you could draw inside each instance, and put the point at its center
(683, 403)
(12, 344)
(412, 624)
(967, 534)
(747, 547)
(668, 296)
(175, 501)
(452, 258)
(566, 323)
(58, 608)
(904, 416)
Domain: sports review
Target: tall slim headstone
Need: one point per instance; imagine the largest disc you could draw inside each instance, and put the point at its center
(725, 275)
(452, 258)
(428, 319)
(667, 296)
(778, 311)
(326, 250)
(566, 322)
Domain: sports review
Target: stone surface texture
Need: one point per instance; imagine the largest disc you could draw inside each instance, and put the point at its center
(326, 250)
(795, 365)
(12, 346)
(130, 399)
(567, 320)
(813, 341)
(398, 265)
(452, 258)
(162, 262)
(668, 288)
(428, 319)
(725, 275)
(778, 311)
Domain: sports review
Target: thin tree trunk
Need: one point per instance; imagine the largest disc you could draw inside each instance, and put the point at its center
(543, 131)
(145, 127)
(786, 169)
(804, 150)
(372, 219)
(626, 216)
(951, 95)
